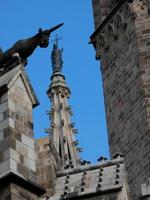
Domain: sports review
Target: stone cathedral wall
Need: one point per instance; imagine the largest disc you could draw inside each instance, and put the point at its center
(16, 133)
(122, 45)
(47, 164)
(101, 9)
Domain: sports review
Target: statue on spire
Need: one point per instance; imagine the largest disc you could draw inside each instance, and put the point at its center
(56, 56)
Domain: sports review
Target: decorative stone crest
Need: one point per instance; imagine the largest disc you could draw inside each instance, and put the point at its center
(112, 30)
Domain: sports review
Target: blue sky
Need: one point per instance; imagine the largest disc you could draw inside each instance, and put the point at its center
(22, 19)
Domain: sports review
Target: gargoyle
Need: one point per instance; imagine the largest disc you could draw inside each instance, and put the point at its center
(24, 48)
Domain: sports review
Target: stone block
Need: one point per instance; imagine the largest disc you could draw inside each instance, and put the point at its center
(12, 143)
(14, 155)
(19, 127)
(4, 97)
(11, 105)
(4, 124)
(6, 155)
(3, 106)
(1, 117)
(7, 132)
(31, 153)
(21, 148)
(1, 135)
(18, 135)
(13, 165)
(11, 123)
(29, 163)
(1, 157)
(4, 167)
(4, 145)
(27, 141)
(23, 170)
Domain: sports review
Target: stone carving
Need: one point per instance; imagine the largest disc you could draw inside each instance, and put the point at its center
(62, 91)
(24, 48)
(117, 24)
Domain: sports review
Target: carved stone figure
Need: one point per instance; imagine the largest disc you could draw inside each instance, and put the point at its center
(56, 57)
(24, 48)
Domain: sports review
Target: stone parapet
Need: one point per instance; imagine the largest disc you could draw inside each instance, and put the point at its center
(95, 181)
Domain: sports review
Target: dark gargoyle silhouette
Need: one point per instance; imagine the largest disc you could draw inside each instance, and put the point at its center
(24, 48)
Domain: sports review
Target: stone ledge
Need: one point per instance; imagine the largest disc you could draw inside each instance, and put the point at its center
(76, 195)
(90, 167)
(10, 177)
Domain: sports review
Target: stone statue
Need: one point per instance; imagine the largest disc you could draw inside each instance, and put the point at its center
(24, 48)
(56, 56)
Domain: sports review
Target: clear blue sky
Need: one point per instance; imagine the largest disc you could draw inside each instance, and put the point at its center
(21, 19)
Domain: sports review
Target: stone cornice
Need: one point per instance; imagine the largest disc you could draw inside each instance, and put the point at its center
(90, 167)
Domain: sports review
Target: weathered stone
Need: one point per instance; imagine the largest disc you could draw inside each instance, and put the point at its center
(17, 154)
(125, 75)
(47, 165)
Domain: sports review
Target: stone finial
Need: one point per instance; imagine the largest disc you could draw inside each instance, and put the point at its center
(101, 159)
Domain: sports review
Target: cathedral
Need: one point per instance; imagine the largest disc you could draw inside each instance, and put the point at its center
(50, 168)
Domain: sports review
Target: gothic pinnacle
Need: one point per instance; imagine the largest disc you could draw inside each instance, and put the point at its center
(62, 129)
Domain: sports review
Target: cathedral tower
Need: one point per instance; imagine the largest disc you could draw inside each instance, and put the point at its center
(122, 44)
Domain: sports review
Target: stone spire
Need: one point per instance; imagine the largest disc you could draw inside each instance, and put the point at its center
(62, 130)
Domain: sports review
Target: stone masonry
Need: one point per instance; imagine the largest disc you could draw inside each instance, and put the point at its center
(122, 44)
(48, 163)
(101, 181)
(17, 146)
